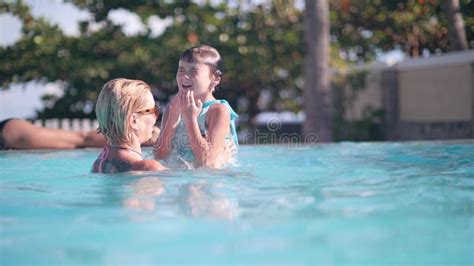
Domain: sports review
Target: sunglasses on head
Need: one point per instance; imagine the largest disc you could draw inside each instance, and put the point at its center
(155, 110)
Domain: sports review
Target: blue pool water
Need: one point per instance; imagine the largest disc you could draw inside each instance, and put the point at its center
(347, 203)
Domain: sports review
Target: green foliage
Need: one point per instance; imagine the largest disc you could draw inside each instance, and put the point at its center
(467, 9)
(262, 46)
(365, 129)
(356, 79)
(364, 27)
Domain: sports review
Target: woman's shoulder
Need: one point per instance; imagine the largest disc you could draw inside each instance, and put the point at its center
(148, 165)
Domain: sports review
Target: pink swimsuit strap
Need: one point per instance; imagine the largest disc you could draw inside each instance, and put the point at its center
(103, 156)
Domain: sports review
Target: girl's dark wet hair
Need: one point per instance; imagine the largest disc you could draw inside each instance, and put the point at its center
(204, 54)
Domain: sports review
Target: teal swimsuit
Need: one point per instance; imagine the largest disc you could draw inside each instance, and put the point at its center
(181, 153)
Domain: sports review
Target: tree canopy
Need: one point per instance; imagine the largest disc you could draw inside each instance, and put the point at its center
(364, 27)
(262, 46)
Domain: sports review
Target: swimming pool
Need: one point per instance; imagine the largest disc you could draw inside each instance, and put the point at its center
(351, 203)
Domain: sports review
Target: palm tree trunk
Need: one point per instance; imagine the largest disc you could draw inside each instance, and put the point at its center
(456, 32)
(318, 105)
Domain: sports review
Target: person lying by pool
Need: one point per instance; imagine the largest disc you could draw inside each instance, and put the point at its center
(21, 134)
(197, 129)
(126, 113)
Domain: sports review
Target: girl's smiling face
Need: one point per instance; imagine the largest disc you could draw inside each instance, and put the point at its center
(196, 77)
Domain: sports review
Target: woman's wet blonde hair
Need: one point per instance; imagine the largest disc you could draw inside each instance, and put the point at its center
(117, 100)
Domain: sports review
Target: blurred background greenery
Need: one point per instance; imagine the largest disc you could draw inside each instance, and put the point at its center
(262, 43)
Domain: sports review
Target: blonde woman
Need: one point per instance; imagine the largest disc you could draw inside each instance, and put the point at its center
(126, 113)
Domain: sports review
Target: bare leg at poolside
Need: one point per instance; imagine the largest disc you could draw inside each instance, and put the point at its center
(21, 134)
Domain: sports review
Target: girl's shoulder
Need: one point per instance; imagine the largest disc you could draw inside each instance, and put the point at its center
(219, 108)
(217, 111)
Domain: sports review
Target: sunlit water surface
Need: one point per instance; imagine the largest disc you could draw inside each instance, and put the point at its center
(351, 203)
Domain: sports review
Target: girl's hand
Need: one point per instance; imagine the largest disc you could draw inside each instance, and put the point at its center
(189, 108)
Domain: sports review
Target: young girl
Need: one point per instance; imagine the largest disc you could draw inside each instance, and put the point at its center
(197, 129)
(126, 113)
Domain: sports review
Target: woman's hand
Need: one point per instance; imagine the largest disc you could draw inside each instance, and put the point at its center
(189, 108)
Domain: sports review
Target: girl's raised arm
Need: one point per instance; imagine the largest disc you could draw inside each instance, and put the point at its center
(170, 121)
